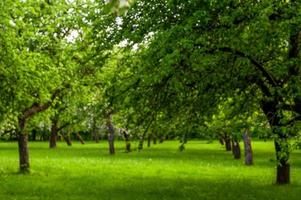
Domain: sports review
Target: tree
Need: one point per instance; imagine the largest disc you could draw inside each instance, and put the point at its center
(217, 49)
(38, 48)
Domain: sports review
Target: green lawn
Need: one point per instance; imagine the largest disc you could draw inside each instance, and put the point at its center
(202, 171)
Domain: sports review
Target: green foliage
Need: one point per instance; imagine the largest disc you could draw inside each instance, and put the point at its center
(158, 67)
(38, 50)
(190, 57)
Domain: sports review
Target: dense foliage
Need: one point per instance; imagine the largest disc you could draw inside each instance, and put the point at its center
(156, 69)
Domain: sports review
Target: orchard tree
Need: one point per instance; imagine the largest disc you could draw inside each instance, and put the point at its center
(213, 50)
(37, 61)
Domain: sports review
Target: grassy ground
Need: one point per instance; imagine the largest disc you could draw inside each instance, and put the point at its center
(202, 171)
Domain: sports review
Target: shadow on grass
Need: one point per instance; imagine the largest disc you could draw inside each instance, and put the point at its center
(137, 187)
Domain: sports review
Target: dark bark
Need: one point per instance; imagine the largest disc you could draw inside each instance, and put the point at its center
(24, 166)
(154, 139)
(52, 139)
(61, 136)
(128, 146)
(227, 142)
(274, 117)
(95, 134)
(221, 140)
(23, 137)
(281, 141)
(53, 133)
(23, 153)
(67, 139)
(96, 137)
(127, 136)
(282, 155)
(248, 148)
(236, 149)
(141, 141)
(79, 137)
(34, 135)
(149, 139)
(111, 131)
(283, 173)
(162, 138)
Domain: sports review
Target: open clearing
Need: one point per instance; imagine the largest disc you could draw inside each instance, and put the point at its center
(202, 171)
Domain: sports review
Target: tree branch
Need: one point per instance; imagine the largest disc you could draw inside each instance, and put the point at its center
(261, 85)
(259, 67)
(36, 108)
(63, 126)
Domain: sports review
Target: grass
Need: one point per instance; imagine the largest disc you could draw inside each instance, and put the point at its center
(202, 171)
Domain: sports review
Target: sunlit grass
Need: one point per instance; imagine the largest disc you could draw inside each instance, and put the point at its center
(202, 171)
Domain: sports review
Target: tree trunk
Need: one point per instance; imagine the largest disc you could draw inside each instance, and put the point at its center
(53, 134)
(111, 130)
(126, 136)
(141, 141)
(275, 116)
(282, 155)
(221, 140)
(149, 139)
(23, 153)
(52, 139)
(79, 137)
(34, 135)
(162, 138)
(236, 149)
(95, 134)
(154, 139)
(283, 174)
(60, 137)
(248, 148)
(140, 147)
(67, 139)
(227, 142)
(142, 137)
(128, 146)
(24, 166)
(23, 137)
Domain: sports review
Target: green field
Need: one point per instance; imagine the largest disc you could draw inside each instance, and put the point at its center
(202, 171)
